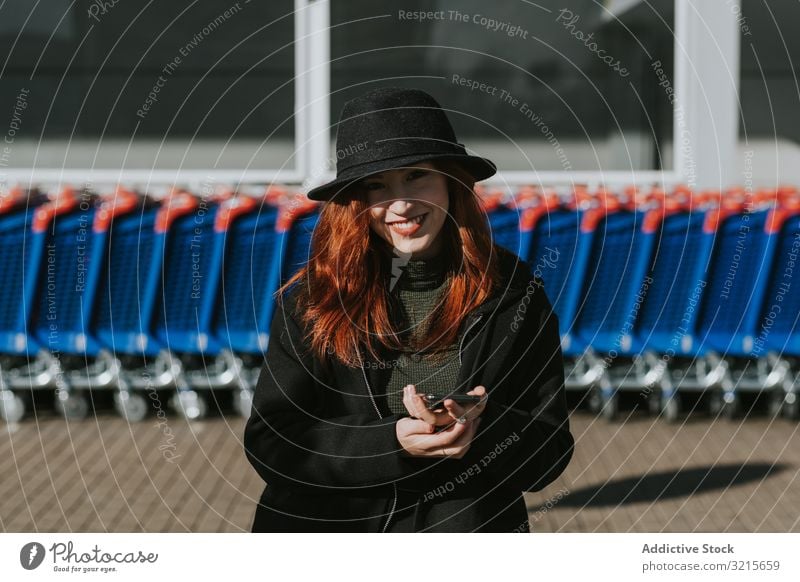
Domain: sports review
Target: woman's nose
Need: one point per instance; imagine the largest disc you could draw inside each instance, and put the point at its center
(400, 205)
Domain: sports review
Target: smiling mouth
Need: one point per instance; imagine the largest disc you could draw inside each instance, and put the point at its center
(410, 226)
(407, 221)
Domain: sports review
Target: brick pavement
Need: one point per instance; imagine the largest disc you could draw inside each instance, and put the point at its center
(640, 474)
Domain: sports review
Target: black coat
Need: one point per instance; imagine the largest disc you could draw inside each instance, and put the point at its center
(326, 444)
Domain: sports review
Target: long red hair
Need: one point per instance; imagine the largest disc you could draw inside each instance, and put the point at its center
(343, 291)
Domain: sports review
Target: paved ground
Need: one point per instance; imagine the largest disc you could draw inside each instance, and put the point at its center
(704, 475)
(639, 474)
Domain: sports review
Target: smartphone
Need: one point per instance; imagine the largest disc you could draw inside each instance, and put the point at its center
(437, 402)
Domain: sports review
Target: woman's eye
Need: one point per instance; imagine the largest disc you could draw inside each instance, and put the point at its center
(417, 174)
(372, 185)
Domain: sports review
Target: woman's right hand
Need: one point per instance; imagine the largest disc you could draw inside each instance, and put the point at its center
(420, 439)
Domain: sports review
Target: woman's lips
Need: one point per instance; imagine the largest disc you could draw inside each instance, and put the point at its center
(409, 227)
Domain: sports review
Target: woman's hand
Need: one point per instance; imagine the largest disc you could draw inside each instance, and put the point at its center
(417, 407)
(420, 439)
(469, 411)
(422, 435)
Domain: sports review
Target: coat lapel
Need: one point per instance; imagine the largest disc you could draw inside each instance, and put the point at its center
(487, 348)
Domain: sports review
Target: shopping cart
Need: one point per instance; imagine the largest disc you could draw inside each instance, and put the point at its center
(610, 296)
(553, 252)
(69, 269)
(563, 241)
(266, 245)
(664, 331)
(777, 341)
(186, 296)
(733, 304)
(126, 297)
(296, 224)
(247, 229)
(23, 364)
(505, 225)
(669, 323)
(533, 206)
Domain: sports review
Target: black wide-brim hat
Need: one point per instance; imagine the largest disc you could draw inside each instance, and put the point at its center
(392, 127)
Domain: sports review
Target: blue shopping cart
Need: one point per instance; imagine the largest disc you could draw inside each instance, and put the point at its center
(247, 229)
(553, 253)
(75, 250)
(682, 236)
(561, 250)
(617, 257)
(505, 224)
(779, 332)
(296, 224)
(185, 298)
(733, 303)
(126, 297)
(760, 361)
(23, 364)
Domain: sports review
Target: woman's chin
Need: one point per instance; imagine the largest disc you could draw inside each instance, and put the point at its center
(415, 246)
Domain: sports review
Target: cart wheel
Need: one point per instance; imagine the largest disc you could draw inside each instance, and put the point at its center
(12, 408)
(190, 404)
(775, 403)
(791, 408)
(72, 406)
(671, 409)
(243, 402)
(594, 400)
(610, 408)
(131, 406)
(715, 403)
(654, 403)
(732, 409)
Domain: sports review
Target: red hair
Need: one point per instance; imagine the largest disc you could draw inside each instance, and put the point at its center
(343, 291)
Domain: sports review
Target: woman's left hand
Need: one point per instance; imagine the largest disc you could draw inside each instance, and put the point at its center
(463, 413)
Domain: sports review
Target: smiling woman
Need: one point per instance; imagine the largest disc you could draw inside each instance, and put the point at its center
(403, 270)
(408, 208)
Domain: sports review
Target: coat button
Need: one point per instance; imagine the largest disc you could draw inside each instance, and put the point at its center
(416, 357)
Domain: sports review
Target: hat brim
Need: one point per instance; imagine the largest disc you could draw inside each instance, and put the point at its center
(479, 168)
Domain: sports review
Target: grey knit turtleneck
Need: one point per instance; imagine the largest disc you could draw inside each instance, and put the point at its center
(419, 289)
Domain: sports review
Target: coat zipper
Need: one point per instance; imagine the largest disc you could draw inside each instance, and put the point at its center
(394, 485)
(377, 410)
(463, 337)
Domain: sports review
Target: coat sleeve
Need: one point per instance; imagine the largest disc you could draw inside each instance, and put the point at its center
(524, 441)
(289, 440)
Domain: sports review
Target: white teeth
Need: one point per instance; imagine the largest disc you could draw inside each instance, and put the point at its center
(406, 224)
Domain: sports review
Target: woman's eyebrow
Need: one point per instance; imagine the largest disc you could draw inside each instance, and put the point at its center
(381, 176)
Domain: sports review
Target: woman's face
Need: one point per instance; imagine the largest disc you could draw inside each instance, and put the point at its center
(408, 207)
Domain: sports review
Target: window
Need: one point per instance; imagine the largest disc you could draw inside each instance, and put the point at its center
(160, 86)
(533, 85)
